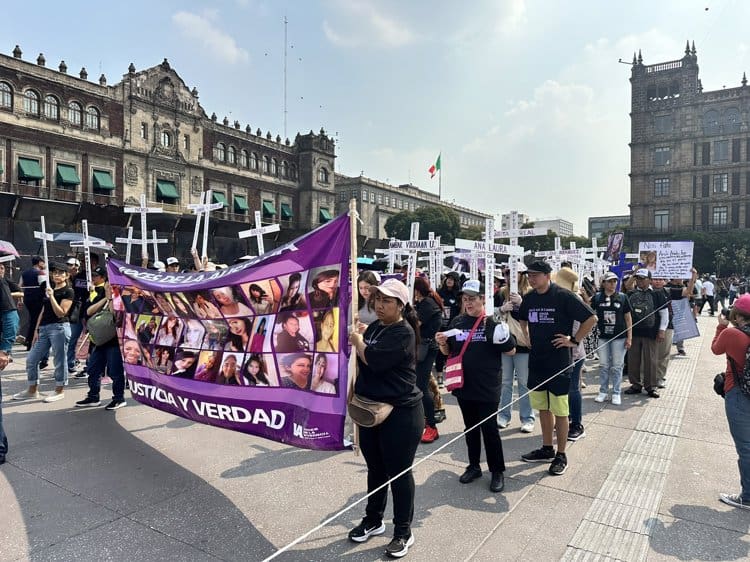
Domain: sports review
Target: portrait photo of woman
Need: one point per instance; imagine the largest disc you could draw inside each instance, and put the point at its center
(240, 334)
(258, 343)
(255, 372)
(163, 358)
(203, 307)
(170, 331)
(209, 365)
(216, 334)
(293, 298)
(320, 375)
(181, 306)
(132, 353)
(324, 289)
(146, 329)
(230, 303)
(263, 295)
(293, 332)
(193, 334)
(230, 370)
(296, 369)
(326, 331)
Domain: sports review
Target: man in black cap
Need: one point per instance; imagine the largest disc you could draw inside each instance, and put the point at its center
(547, 314)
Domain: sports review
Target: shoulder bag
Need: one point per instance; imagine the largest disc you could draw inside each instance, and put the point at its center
(454, 369)
(101, 327)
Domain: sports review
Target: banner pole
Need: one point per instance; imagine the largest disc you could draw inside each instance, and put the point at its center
(353, 290)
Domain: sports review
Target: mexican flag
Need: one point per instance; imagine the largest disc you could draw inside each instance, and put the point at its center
(435, 168)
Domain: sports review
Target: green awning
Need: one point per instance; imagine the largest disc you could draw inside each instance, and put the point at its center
(103, 180)
(67, 175)
(219, 197)
(166, 189)
(29, 169)
(325, 216)
(240, 204)
(268, 209)
(286, 212)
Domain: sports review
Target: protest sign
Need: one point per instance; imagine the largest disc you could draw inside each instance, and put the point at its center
(260, 347)
(683, 320)
(667, 260)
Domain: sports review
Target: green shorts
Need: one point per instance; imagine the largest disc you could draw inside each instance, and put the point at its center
(545, 400)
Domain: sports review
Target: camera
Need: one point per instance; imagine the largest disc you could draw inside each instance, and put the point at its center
(725, 312)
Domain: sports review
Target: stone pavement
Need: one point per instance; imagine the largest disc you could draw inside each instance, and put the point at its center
(137, 484)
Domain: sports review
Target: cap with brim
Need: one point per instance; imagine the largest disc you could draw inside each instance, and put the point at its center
(539, 267)
(472, 287)
(99, 271)
(609, 276)
(73, 261)
(643, 273)
(742, 304)
(54, 266)
(393, 288)
(172, 261)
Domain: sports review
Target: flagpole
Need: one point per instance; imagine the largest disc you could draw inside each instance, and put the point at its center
(353, 290)
(440, 177)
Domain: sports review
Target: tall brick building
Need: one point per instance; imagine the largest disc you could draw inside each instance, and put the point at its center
(690, 151)
(73, 149)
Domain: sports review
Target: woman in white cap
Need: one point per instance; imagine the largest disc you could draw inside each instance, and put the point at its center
(386, 357)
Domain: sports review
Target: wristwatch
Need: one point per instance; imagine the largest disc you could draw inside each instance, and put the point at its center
(573, 340)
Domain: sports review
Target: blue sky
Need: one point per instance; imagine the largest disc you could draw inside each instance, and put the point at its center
(525, 99)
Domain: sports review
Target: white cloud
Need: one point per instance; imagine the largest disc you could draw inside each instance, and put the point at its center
(203, 29)
(511, 17)
(368, 25)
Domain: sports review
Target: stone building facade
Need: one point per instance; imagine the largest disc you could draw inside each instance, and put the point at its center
(73, 149)
(690, 151)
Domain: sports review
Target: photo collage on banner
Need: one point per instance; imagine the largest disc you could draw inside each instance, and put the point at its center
(277, 332)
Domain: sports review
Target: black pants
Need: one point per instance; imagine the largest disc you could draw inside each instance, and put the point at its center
(34, 309)
(710, 301)
(388, 449)
(440, 360)
(424, 370)
(473, 412)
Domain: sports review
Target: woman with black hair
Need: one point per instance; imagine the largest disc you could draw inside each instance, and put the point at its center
(365, 283)
(259, 299)
(254, 372)
(239, 334)
(449, 292)
(292, 299)
(386, 357)
(325, 291)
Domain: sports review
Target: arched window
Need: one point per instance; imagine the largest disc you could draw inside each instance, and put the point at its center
(285, 170)
(232, 155)
(75, 113)
(6, 96)
(711, 122)
(732, 120)
(265, 166)
(274, 167)
(253, 161)
(92, 118)
(51, 108)
(293, 172)
(31, 102)
(166, 139)
(243, 158)
(221, 152)
(323, 175)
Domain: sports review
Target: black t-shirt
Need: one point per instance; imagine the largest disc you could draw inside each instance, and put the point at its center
(32, 292)
(430, 318)
(7, 302)
(48, 315)
(389, 375)
(451, 304)
(80, 287)
(548, 314)
(286, 343)
(98, 297)
(482, 360)
(610, 313)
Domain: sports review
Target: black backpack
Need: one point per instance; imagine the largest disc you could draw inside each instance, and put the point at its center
(642, 305)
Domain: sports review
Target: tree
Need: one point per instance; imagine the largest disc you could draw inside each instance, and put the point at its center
(720, 258)
(440, 220)
(472, 233)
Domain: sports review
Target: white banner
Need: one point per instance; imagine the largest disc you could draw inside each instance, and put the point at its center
(683, 321)
(667, 260)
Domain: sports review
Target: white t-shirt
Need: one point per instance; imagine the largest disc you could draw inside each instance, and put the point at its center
(708, 286)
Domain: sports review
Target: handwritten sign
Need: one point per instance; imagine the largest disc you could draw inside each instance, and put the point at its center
(683, 321)
(414, 244)
(667, 260)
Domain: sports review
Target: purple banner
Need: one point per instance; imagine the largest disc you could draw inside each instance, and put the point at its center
(260, 347)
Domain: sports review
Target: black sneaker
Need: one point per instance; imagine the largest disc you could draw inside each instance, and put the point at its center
(681, 352)
(539, 455)
(576, 432)
(651, 393)
(81, 374)
(365, 530)
(116, 405)
(440, 415)
(634, 389)
(470, 474)
(88, 402)
(43, 364)
(559, 465)
(399, 546)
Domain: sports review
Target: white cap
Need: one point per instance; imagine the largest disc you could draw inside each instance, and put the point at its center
(643, 272)
(393, 288)
(172, 261)
(73, 261)
(472, 287)
(159, 265)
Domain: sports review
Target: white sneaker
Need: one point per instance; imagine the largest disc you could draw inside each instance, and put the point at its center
(502, 423)
(601, 397)
(26, 395)
(54, 397)
(616, 400)
(527, 427)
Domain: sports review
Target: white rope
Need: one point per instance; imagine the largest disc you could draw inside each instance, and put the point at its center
(436, 451)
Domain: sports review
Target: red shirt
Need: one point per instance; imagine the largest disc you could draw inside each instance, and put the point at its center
(734, 343)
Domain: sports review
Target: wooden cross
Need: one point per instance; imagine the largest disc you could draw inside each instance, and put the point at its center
(143, 210)
(44, 237)
(128, 241)
(87, 243)
(259, 231)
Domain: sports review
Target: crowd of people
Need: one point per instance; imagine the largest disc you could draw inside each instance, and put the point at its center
(536, 339)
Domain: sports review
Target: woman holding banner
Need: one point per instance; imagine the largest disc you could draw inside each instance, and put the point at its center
(386, 357)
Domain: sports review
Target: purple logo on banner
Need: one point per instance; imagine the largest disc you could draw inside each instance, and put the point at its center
(260, 347)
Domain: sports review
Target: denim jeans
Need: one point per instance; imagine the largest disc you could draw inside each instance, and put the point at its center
(110, 357)
(575, 400)
(76, 329)
(56, 337)
(8, 329)
(517, 365)
(737, 406)
(611, 362)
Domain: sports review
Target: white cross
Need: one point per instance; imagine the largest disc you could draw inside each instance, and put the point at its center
(391, 253)
(87, 243)
(259, 231)
(411, 248)
(143, 210)
(203, 210)
(514, 232)
(128, 241)
(156, 241)
(44, 237)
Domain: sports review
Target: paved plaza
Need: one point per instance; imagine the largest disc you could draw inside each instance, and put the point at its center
(137, 484)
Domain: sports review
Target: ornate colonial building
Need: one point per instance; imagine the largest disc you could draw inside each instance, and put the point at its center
(73, 149)
(690, 151)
